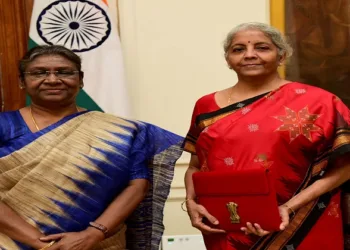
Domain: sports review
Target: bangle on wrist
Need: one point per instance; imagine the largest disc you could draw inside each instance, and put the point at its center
(48, 245)
(290, 209)
(99, 226)
(182, 204)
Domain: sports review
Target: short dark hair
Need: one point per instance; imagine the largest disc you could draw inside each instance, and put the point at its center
(47, 50)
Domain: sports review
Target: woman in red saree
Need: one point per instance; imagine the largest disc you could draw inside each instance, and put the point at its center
(300, 132)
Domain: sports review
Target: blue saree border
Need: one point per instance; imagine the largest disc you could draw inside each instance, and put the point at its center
(29, 137)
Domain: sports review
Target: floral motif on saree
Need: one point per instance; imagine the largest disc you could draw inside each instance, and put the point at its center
(297, 131)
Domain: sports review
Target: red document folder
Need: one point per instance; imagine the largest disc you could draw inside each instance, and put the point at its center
(238, 197)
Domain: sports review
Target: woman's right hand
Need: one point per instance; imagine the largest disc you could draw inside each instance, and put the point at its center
(197, 213)
(38, 244)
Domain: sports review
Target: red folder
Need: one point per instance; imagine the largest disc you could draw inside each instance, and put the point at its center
(238, 197)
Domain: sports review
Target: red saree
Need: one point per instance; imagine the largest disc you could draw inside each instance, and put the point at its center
(296, 132)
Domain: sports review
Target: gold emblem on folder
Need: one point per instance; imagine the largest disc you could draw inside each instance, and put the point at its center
(232, 208)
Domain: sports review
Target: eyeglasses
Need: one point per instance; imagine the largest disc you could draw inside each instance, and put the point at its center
(42, 74)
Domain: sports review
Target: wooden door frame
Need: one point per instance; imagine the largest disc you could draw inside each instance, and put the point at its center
(14, 33)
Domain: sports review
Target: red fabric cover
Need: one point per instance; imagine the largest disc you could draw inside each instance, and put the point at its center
(252, 190)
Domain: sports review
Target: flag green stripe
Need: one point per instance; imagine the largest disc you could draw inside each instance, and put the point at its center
(31, 44)
(83, 99)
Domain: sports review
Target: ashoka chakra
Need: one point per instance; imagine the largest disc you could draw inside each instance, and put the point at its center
(79, 25)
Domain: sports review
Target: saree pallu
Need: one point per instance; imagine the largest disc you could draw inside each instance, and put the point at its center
(297, 132)
(64, 176)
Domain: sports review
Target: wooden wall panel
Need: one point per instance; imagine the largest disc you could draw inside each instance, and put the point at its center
(14, 30)
(320, 35)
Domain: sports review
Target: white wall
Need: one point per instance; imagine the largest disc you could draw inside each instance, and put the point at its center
(173, 55)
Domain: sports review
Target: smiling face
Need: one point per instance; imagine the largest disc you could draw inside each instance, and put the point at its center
(45, 90)
(252, 54)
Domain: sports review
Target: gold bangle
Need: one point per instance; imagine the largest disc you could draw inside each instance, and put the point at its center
(291, 209)
(48, 245)
(182, 204)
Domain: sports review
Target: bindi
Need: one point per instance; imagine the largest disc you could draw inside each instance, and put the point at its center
(248, 41)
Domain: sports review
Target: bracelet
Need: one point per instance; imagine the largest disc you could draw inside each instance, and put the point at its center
(48, 245)
(100, 227)
(289, 208)
(182, 204)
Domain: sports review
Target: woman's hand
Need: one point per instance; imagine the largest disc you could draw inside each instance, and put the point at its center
(38, 244)
(84, 240)
(257, 230)
(197, 213)
(284, 213)
(254, 229)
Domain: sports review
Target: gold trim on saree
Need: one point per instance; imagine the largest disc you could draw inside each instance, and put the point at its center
(341, 140)
(190, 147)
(207, 122)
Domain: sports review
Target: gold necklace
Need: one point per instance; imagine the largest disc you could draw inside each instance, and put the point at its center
(229, 97)
(34, 121)
(31, 114)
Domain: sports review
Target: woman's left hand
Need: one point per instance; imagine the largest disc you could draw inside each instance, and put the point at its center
(284, 214)
(257, 230)
(84, 240)
(254, 229)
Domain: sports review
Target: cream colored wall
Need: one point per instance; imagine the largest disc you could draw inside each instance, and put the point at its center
(173, 55)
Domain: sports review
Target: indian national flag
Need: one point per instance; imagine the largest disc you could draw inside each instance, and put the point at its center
(89, 28)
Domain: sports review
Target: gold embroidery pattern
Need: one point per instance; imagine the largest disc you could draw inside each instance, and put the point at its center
(263, 161)
(298, 123)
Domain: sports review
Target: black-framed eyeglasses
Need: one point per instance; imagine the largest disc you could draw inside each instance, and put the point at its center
(42, 74)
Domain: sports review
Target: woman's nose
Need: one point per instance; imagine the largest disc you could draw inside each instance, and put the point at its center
(250, 53)
(51, 77)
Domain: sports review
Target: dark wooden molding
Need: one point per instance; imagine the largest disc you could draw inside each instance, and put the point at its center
(14, 32)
